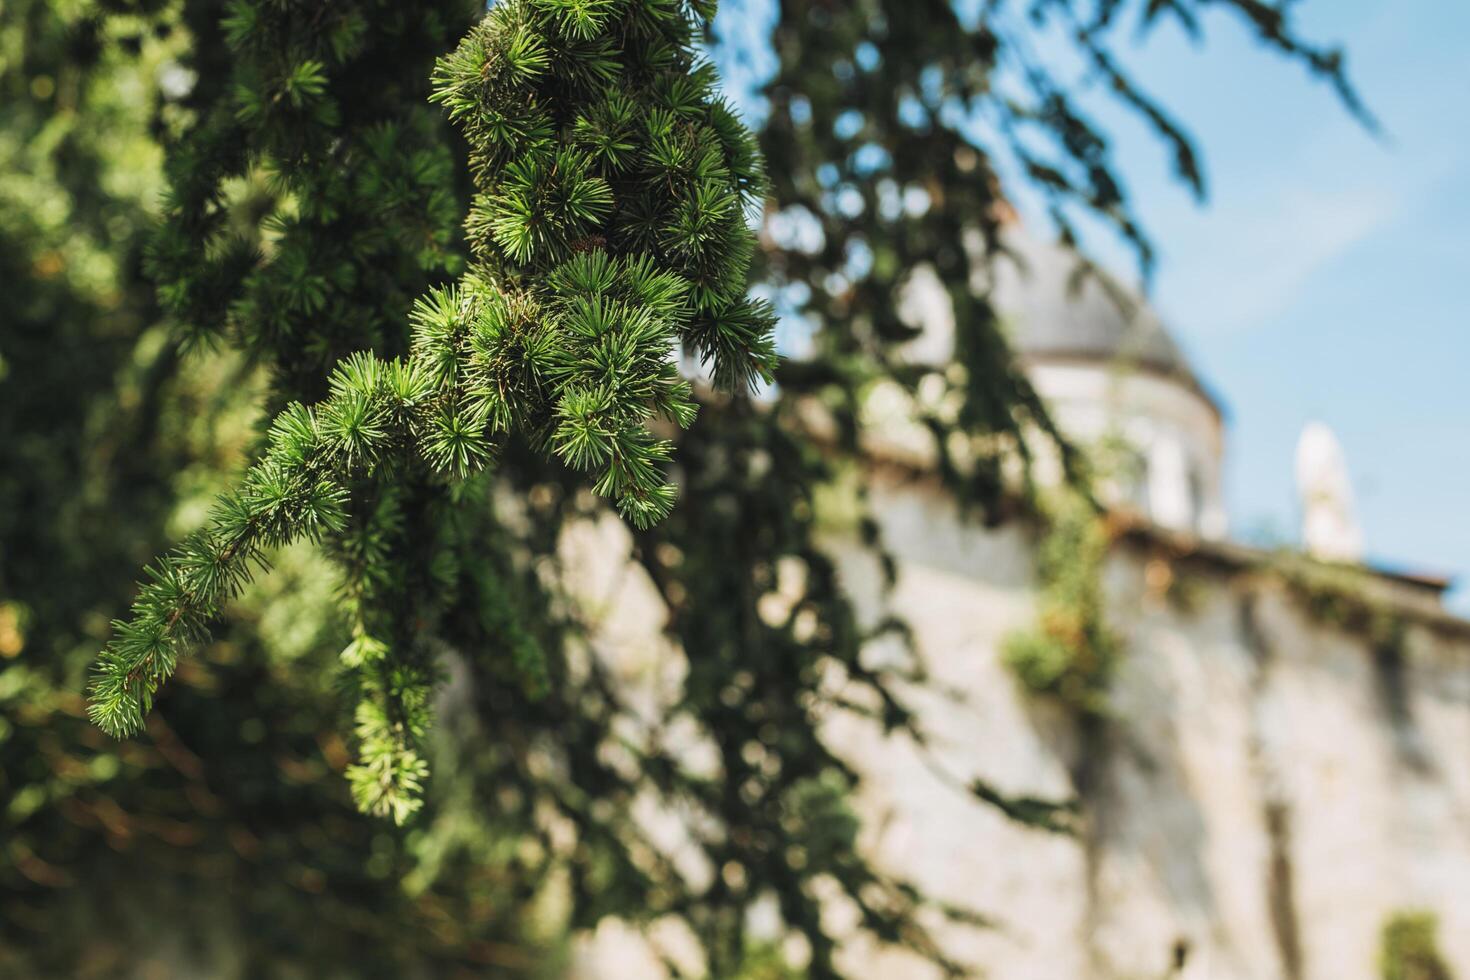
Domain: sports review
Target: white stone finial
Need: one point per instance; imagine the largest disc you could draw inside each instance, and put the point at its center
(1329, 523)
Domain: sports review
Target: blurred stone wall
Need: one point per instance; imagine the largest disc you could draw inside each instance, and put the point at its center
(1268, 790)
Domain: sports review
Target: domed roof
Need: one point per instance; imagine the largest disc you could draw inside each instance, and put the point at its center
(1054, 304)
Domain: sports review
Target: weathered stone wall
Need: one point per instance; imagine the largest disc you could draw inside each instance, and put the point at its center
(1268, 790)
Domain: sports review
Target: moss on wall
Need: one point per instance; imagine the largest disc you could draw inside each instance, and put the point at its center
(1410, 948)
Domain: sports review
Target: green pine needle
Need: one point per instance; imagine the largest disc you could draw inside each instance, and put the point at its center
(610, 230)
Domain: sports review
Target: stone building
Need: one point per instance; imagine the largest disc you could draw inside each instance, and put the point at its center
(1282, 765)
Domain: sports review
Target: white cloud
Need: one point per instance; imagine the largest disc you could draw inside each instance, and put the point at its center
(1247, 260)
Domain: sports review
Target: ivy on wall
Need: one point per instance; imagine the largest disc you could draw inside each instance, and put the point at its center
(1070, 653)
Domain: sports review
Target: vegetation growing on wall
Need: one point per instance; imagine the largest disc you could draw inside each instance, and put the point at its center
(1070, 653)
(1339, 596)
(1409, 948)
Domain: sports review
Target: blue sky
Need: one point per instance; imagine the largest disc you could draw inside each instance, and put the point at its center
(1324, 277)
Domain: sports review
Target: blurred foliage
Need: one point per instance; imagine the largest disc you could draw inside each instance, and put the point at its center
(308, 193)
(766, 962)
(890, 125)
(1410, 948)
(223, 842)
